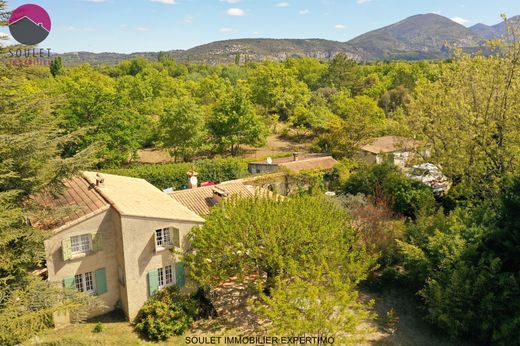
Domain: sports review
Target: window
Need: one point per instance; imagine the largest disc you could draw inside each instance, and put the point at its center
(84, 282)
(81, 244)
(167, 238)
(165, 276)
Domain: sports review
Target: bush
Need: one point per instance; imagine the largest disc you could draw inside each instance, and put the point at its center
(174, 175)
(385, 182)
(98, 328)
(165, 314)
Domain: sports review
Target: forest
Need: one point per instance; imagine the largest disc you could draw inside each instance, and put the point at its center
(456, 254)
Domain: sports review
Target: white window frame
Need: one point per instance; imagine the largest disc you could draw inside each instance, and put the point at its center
(166, 276)
(85, 282)
(162, 238)
(81, 244)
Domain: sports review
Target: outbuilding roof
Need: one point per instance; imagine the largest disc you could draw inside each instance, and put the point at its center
(390, 144)
(200, 200)
(302, 162)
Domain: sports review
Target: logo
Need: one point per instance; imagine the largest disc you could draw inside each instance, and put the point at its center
(30, 24)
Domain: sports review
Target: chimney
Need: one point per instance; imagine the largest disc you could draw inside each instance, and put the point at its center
(192, 180)
(295, 156)
(100, 180)
(219, 194)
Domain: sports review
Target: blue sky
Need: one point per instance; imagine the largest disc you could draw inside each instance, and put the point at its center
(153, 25)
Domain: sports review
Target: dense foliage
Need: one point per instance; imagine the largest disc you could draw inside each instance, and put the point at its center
(166, 314)
(290, 246)
(174, 175)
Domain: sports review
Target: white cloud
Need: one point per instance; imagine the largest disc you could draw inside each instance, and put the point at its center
(460, 20)
(236, 12)
(304, 12)
(361, 2)
(437, 12)
(74, 28)
(226, 30)
(167, 2)
(231, 1)
(142, 29)
(282, 4)
(340, 26)
(188, 19)
(97, 1)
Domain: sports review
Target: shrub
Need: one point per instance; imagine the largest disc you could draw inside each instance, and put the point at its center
(174, 175)
(165, 314)
(98, 328)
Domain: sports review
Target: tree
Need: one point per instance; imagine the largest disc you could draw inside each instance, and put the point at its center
(470, 117)
(182, 128)
(276, 238)
(30, 162)
(56, 67)
(278, 89)
(359, 120)
(234, 121)
(343, 74)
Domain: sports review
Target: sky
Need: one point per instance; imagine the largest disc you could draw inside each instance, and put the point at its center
(126, 26)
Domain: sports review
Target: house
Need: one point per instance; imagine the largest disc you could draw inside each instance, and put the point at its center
(111, 236)
(295, 163)
(393, 149)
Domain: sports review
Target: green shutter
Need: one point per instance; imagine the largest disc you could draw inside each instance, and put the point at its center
(101, 281)
(68, 282)
(97, 242)
(66, 249)
(179, 274)
(175, 237)
(153, 282)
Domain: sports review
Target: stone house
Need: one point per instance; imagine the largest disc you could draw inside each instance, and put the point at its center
(112, 236)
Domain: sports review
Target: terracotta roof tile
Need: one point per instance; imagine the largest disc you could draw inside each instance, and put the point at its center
(200, 200)
(77, 200)
(326, 162)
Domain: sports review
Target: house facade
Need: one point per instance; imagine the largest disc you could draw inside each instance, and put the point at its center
(115, 239)
(395, 150)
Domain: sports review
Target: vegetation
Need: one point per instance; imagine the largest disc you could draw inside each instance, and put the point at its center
(294, 245)
(165, 314)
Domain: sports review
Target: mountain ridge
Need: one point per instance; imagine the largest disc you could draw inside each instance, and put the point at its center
(422, 36)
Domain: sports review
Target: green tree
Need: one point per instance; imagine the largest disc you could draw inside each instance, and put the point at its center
(277, 238)
(343, 74)
(278, 89)
(235, 122)
(56, 67)
(182, 128)
(470, 118)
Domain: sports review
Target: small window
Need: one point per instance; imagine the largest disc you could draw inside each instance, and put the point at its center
(84, 282)
(163, 237)
(81, 244)
(165, 276)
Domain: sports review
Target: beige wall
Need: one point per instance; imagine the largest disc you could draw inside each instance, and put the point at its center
(101, 224)
(140, 256)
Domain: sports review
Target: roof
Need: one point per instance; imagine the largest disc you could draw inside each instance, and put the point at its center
(282, 160)
(389, 144)
(137, 197)
(304, 162)
(200, 200)
(77, 201)
(326, 162)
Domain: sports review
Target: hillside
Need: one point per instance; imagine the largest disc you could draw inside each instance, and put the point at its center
(492, 31)
(419, 37)
(423, 36)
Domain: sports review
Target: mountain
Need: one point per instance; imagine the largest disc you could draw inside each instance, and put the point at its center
(424, 36)
(226, 52)
(492, 31)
